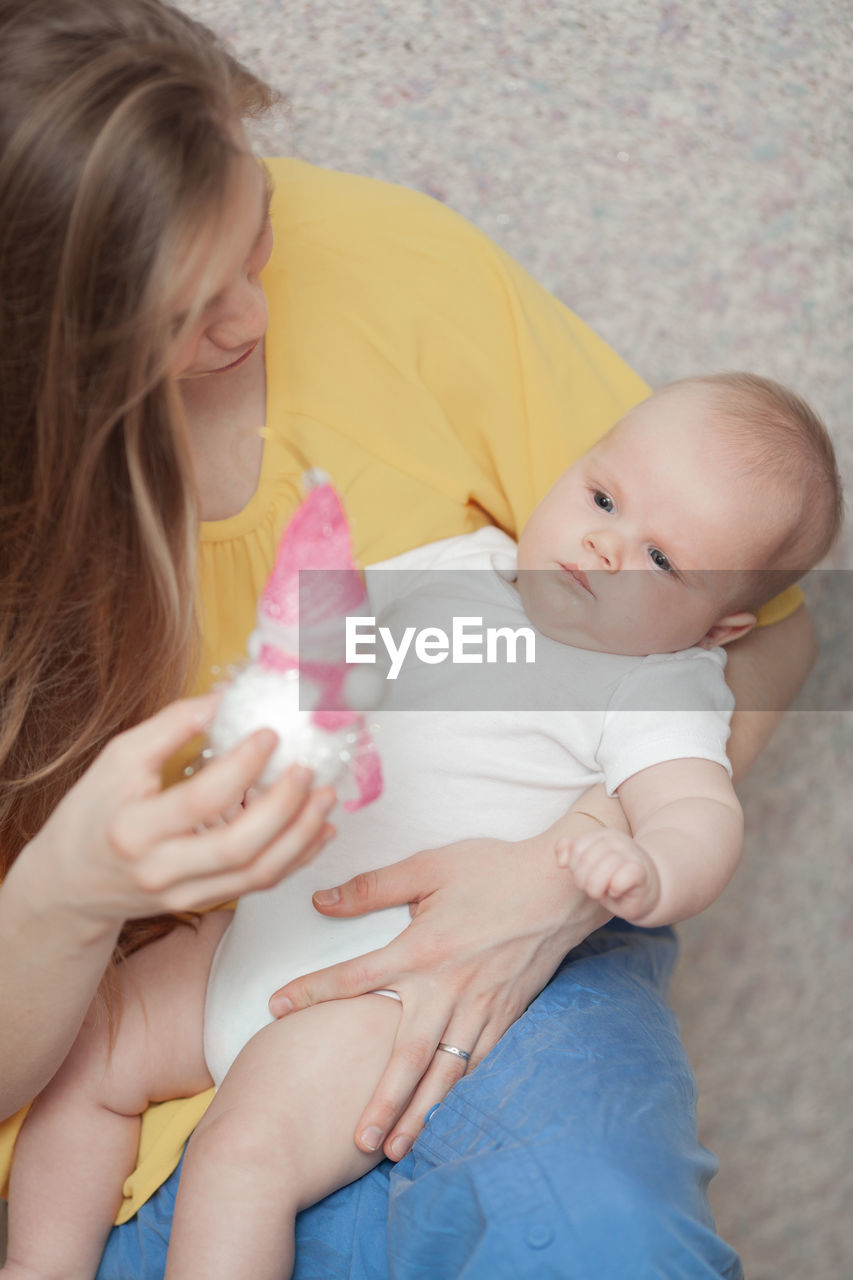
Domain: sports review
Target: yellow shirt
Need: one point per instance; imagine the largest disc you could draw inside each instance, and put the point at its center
(439, 386)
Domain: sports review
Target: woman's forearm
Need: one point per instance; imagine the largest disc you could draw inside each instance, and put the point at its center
(765, 671)
(51, 962)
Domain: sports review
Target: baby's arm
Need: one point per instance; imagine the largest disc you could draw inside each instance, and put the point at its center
(688, 832)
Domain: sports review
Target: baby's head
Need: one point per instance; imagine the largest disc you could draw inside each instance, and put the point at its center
(714, 495)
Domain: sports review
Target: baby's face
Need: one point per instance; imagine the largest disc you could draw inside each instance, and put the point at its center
(630, 545)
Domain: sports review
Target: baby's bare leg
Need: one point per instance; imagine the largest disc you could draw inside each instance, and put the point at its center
(279, 1137)
(80, 1138)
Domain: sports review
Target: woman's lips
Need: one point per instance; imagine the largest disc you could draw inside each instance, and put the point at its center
(578, 575)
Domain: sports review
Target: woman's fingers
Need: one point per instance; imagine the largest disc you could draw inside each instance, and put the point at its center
(292, 850)
(217, 787)
(415, 1045)
(288, 814)
(356, 977)
(155, 740)
(302, 840)
(391, 886)
(445, 1070)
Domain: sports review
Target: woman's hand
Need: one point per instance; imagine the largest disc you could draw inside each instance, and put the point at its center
(118, 846)
(491, 921)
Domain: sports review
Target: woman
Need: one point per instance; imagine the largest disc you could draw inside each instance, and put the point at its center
(442, 389)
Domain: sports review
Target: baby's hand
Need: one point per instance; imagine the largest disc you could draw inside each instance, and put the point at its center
(614, 870)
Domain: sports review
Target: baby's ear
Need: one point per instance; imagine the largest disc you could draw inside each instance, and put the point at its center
(731, 627)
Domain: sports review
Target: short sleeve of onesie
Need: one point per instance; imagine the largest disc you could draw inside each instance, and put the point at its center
(672, 706)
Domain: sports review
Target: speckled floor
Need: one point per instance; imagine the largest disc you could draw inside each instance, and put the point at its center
(680, 174)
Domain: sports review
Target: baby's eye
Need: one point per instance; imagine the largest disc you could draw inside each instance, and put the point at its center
(601, 500)
(660, 561)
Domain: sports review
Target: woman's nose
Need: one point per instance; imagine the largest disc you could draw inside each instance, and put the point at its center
(604, 545)
(241, 318)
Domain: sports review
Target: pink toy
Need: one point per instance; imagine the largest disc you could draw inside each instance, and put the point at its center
(313, 702)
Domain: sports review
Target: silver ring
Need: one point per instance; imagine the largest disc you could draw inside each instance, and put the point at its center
(457, 1053)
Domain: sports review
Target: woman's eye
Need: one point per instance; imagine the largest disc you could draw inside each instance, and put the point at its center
(601, 500)
(660, 561)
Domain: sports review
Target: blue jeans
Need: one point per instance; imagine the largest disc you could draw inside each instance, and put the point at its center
(570, 1152)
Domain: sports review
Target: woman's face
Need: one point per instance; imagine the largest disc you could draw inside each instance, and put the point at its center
(233, 316)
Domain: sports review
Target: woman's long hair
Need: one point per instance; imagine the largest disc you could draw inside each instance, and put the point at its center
(116, 148)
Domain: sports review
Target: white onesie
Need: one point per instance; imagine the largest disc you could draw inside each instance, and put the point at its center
(453, 774)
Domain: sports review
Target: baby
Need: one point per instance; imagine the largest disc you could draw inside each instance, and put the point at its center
(726, 487)
(651, 553)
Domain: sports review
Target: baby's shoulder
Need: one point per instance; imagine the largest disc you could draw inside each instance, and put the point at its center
(688, 680)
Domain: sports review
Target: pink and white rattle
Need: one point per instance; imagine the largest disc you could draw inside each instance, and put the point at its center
(312, 702)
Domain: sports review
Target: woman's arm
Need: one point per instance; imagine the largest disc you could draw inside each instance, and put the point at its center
(765, 670)
(491, 921)
(118, 847)
(51, 961)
